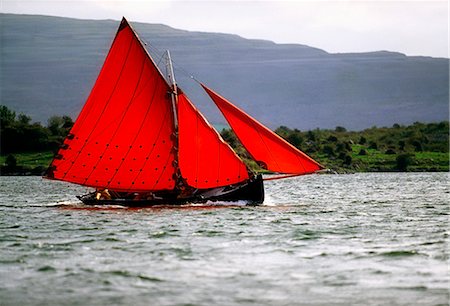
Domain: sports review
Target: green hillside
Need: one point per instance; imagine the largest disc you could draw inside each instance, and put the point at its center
(27, 147)
(417, 147)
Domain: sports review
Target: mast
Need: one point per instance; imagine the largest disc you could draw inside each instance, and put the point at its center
(173, 84)
(174, 99)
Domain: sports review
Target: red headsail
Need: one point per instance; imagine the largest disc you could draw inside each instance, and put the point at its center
(205, 160)
(267, 148)
(123, 137)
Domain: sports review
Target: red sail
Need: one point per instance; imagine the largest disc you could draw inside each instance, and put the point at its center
(205, 160)
(122, 139)
(267, 148)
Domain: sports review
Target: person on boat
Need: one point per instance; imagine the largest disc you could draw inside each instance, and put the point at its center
(150, 196)
(185, 192)
(143, 196)
(136, 196)
(103, 194)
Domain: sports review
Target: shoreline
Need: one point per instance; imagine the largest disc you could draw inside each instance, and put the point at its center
(331, 172)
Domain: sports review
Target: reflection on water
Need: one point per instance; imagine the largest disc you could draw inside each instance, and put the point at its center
(369, 239)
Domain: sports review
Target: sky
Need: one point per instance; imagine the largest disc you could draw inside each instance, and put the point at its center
(411, 27)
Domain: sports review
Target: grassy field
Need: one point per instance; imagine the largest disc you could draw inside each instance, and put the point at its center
(379, 161)
(30, 161)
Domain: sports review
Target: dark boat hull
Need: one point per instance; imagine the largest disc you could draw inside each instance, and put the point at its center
(251, 192)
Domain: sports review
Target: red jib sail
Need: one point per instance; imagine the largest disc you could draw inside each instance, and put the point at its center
(267, 148)
(205, 160)
(123, 137)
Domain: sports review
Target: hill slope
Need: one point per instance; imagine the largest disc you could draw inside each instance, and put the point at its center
(49, 64)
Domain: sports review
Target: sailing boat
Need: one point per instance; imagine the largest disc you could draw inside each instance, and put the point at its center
(139, 140)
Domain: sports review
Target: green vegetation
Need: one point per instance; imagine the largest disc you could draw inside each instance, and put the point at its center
(29, 160)
(27, 148)
(418, 147)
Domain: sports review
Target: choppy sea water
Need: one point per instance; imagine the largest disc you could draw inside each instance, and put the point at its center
(361, 239)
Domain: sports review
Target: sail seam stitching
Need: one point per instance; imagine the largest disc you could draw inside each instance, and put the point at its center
(130, 102)
(104, 108)
(159, 132)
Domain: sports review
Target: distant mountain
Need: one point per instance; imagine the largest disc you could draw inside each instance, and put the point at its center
(49, 64)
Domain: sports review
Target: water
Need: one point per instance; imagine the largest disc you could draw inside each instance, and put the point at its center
(363, 239)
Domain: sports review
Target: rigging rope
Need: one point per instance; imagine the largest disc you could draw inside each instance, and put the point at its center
(159, 53)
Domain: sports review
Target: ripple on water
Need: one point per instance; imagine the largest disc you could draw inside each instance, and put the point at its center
(128, 274)
(46, 268)
(400, 253)
(363, 239)
(305, 234)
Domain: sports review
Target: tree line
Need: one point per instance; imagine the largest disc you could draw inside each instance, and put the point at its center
(19, 134)
(415, 147)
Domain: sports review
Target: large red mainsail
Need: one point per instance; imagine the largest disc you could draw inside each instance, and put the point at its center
(123, 137)
(205, 160)
(267, 148)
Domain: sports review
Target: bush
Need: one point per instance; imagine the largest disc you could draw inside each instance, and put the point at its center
(390, 152)
(332, 138)
(417, 146)
(362, 152)
(340, 129)
(403, 161)
(373, 145)
(328, 150)
(343, 147)
(11, 161)
(295, 139)
(347, 160)
(229, 136)
(311, 136)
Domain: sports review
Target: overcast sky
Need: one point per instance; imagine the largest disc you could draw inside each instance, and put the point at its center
(411, 27)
